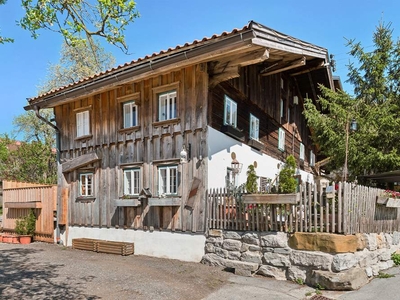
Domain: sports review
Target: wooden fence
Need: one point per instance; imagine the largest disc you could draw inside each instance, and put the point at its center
(341, 208)
(20, 197)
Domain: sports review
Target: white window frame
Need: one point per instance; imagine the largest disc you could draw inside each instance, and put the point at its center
(281, 139)
(282, 108)
(82, 123)
(254, 127)
(86, 184)
(312, 158)
(130, 114)
(170, 186)
(132, 187)
(230, 112)
(167, 105)
(302, 151)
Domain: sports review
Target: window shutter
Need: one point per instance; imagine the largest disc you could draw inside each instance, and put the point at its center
(85, 123)
(281, 141)
(302, 151)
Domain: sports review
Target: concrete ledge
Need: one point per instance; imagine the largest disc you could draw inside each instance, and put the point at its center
(324, 242)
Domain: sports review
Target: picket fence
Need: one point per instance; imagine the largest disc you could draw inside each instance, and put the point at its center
(345, 208)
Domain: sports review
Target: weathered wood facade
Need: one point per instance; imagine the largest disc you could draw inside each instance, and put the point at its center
(150, 144)
(261, 69)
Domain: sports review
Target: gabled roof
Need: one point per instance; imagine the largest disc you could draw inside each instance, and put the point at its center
(254, 35)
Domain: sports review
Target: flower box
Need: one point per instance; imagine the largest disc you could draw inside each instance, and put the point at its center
(127, 202)
(256, 144)
(272, 198)
(388, 201)
(233, 132)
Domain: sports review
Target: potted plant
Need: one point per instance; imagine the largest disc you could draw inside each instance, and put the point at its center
(25, 228)
(287, 186)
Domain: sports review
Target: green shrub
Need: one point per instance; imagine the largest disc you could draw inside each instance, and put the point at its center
(251, 182)
(26, 225)
(396, 258)
(287, 182)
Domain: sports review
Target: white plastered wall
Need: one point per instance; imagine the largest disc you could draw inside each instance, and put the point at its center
(172, 245)
(220, 148)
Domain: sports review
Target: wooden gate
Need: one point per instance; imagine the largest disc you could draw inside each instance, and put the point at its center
(20, 197)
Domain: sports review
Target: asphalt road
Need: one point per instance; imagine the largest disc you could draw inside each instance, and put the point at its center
(45, 271)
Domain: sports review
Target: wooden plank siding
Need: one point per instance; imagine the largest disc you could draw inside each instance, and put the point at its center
(260, 96)
(146, 146)
(18, 195)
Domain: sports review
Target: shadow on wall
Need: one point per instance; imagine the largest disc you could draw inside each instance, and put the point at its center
(22, 278)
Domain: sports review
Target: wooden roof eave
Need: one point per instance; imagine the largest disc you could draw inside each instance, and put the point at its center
(150, 67)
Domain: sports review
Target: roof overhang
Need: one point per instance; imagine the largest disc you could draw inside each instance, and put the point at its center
(254, 38)
(392, 176)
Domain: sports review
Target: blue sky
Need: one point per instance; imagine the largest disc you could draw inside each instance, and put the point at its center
(167, 23)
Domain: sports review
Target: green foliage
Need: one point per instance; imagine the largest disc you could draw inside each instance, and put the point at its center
(30, 162)
(26, 225)
(375, 105)
(251, 181)
(299, 281)
(80, 21)
(396, 258)
(287, 183)
(384, 275)
(75, 63)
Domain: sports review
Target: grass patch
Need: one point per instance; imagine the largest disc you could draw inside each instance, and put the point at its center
(384, 275)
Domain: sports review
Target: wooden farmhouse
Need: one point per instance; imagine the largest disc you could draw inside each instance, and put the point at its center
(141, 144)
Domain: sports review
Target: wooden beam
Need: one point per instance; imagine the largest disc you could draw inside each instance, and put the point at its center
(30, 204)
(242, 59)
(280, 67)
(309, 69)
(214, 80)
(79, 161)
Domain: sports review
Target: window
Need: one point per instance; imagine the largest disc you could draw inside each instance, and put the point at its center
(265, 184)
(281, 139)
(312, 159)
(130, 114)
(231, 180)
(254, 127)
(167, 106)
(82, 122)
(131, 181)
(86, 184)
(230, 112)
(288, 115)
(282, 109)
(302, 151)
(167, 180)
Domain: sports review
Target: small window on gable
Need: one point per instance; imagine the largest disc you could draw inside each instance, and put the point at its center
(130, 114)
(302, 152)
(132, 181)
(254, 127)
(82, 123)
(230, 112)
(312, 159)
(86, 184)
(168, 180)
(281, 139)
(167, 106)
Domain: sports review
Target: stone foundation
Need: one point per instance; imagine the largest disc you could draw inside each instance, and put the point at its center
(335, 262)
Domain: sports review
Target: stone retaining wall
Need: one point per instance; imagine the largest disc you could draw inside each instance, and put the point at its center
(269, 254)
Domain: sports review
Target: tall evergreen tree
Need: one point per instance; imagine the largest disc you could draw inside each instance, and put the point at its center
(375, 106)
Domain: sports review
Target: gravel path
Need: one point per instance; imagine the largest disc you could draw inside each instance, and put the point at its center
(45, 271)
